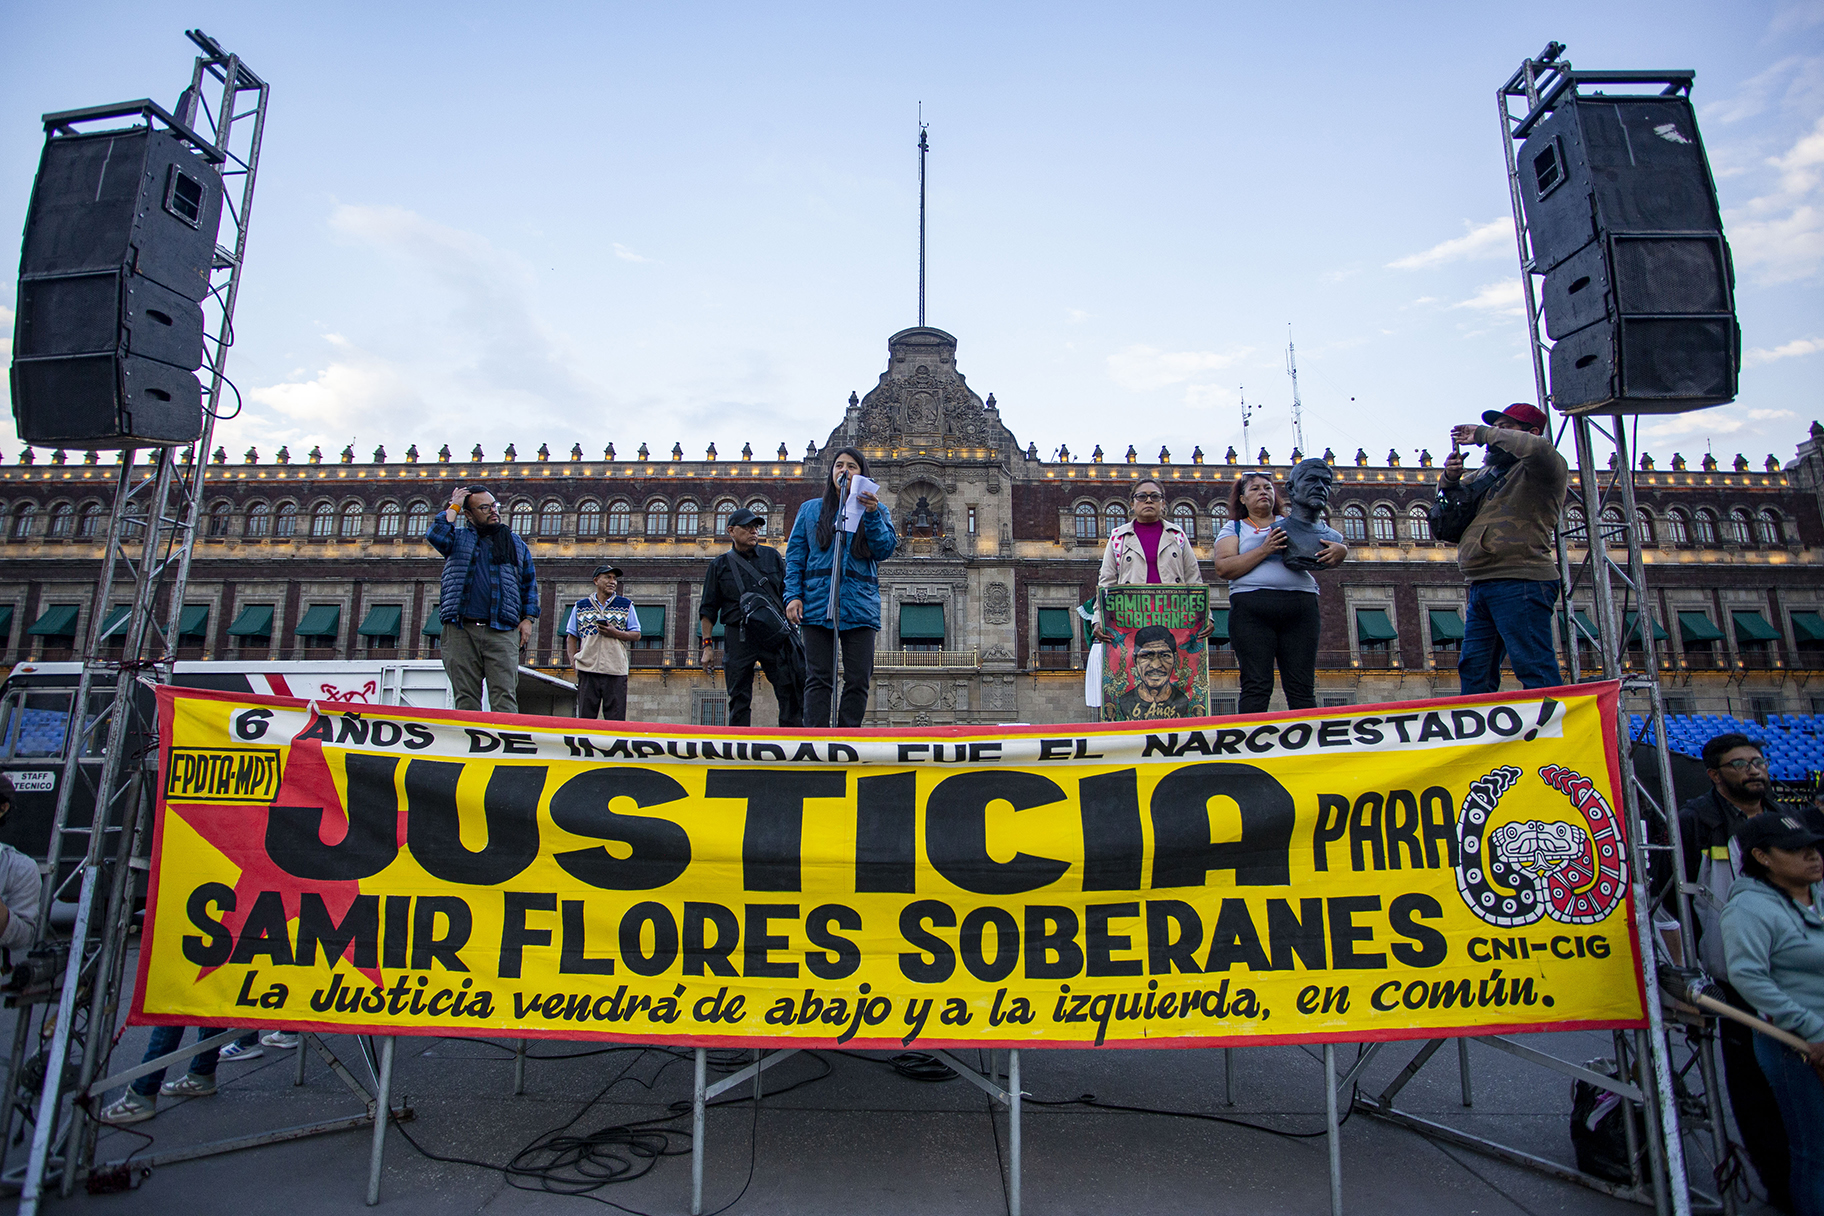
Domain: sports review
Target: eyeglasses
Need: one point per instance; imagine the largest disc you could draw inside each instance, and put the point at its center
(1741, 765)
(1149, 497)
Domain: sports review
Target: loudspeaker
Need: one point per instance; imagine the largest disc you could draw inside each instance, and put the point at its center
(119, 242)
(1639, 291)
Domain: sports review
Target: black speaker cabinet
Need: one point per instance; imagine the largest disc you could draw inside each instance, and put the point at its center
(1639, 292)
(119, 241)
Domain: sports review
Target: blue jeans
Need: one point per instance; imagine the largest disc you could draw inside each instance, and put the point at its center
(165, 1040)
(1511, 618)
(1799, 1093)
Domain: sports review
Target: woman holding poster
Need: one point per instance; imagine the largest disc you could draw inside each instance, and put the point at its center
(1273, 608)
(1144, 679)
(829, 609)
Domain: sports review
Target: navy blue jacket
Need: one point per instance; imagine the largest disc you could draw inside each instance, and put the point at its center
(807, 569)
(514, 598)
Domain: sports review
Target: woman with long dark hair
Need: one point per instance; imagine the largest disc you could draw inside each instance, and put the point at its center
(1272, 608)
(810, 555)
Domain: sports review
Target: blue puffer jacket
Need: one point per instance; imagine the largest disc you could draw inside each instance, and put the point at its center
(807, 569)
(511, 604)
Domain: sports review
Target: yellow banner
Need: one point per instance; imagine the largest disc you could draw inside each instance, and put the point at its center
(1394, 871)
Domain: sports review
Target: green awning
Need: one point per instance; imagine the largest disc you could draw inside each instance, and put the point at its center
(1054, 625)
(433, 628)
(1632, 628)
(254, 621)
(652, 621)
(1585, 625)
(58, 621)
(921, 622)
(1806, 627)
(116, 621)
(1696, 627)
(1219, 624)
(321, 621)
(1446, 625)
(1372, 625)
(717, 632)
(1753, 627)
(382, 621)
(6, 621)
(194, 622)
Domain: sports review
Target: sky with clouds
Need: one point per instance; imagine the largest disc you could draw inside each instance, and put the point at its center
(696, 223)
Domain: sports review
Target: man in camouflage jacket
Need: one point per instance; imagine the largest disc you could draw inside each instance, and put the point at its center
(1506, 552)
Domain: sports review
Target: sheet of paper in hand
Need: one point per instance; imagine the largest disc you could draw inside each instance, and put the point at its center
(852, 510)
(1157, 666)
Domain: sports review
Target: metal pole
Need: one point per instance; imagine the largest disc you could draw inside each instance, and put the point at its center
(297, 1076)
(1013, 1132)
(696, 1131)
(924, 146)
(383, 1114)
(1463, 1071)
(1333, 1131)
(839, 542)
(1228, 1076)
(519, 1068)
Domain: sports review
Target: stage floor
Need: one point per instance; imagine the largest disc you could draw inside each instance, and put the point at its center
(864, 1138)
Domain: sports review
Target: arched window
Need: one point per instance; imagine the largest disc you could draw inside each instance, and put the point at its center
(1678, 528)
(388, 523)
(418, 518)
(658, 517)
(1219, 517)
(1704, 527)
(1114, 515)
(22, 520)
(1643, 523)
(1384, 533)
(1086, 521)
(687, 519)
(259, 520)
(322, 520)
(63, 520)
(218, 521)
(1355, 523)
(351, 521)
(1418, 519)
(589, 518)
(760, 506)
(620, 519)
(88, 521)
(1185, 518)
(521, 518)
(724, 509)
(1614, 530)
(1576, 530)
(1771, 532)
(551, 518)
(1740, 530)
(287, 522)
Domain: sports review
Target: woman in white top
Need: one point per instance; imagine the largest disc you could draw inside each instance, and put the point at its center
(1273, 614)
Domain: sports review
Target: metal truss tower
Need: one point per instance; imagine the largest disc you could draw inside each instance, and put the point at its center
(151, 533)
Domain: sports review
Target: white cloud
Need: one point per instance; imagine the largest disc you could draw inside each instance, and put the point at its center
(1075, 316)
(1141, 369)
(1780, 234)
(627, 255)
(6, 319)
(1504, 297)
(1723, 420)
(1788, 350)
(1791, 82)
(1478, 241)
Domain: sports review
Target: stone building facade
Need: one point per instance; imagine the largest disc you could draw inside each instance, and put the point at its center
(319, 558)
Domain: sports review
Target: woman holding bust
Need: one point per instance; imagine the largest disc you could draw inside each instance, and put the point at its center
(1267, 553)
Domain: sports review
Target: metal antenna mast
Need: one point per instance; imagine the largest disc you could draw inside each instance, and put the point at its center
(924, 146)
(1298, 407)
(1246, 414)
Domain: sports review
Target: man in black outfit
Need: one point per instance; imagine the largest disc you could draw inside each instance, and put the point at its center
(1739, 791)
(747, 566)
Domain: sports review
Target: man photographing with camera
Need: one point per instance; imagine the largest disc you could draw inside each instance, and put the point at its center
(745, 589)
(487, 600)
(1502, 517)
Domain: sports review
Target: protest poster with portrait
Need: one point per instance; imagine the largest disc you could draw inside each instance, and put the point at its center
(1158, 665)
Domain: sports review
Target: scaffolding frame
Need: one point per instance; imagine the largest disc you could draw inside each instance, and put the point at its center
(151, 537)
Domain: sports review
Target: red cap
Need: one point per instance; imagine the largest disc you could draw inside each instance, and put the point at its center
(1521, 412)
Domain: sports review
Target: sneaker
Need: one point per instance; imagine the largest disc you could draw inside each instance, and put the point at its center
(239, 1051)
(284, 1040)
(188, 1086)
(131, 1108)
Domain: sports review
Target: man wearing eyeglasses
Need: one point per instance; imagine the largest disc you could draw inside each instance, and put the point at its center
(1740, 789)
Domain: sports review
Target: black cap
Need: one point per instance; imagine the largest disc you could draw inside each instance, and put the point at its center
(1776, 830)
(605, 568)
(745, 518)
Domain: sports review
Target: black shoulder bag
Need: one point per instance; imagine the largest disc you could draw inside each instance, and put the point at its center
(1451, 514)
(761, 615)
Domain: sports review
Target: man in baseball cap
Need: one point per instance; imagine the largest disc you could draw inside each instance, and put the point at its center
(596, 637)
(1502, 518)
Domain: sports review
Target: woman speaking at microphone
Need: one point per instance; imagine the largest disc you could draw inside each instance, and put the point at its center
(850, 609)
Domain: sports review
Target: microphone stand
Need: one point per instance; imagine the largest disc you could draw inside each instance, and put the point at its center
(836, 562)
